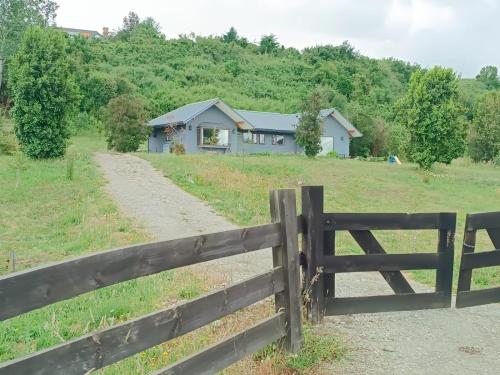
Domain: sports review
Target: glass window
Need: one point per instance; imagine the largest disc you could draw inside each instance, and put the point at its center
(278, 139)
(255, 138)
(214, 137)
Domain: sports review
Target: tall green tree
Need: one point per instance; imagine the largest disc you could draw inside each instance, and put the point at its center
(15, 17)
(434, 117)
(44, 92)
(489, 76)
(309, 130)
(124, 121)
(484, 143)
(268, 44)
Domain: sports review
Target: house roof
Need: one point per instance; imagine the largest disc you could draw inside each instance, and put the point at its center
(187, 112)
(73, 31)
(247, 120)
(270, 120)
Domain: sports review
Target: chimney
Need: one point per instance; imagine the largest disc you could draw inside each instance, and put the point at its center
(105, 32)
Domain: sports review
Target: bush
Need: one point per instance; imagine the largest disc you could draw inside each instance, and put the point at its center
(484, 138)
(44, 92)
(178, 149)
(124, 121)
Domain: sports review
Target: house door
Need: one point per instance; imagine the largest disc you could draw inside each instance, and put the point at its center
(327, 145)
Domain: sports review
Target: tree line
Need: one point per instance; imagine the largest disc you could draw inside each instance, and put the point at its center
(427, 115)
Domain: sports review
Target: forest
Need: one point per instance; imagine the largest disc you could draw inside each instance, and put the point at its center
(165, 73)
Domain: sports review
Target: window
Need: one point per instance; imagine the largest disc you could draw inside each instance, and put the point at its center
(278, 139)
(214, 137)
(255, 138)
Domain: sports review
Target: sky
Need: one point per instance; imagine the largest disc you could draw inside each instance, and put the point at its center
(462, 34)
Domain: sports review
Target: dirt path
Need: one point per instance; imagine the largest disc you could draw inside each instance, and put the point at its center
(168, 212)
(447, 341)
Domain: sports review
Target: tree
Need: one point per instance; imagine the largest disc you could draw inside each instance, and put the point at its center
(309, 130)
(124, 121)
(15, 17)
(232, 37)
(130, 21)
(489, 76)
(484, 141)
(434, 117)
(44, 92)
(268, 44)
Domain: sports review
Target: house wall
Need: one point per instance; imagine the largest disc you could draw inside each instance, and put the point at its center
(156, 140)
(332, 128)
(290, 147)
(211, 118)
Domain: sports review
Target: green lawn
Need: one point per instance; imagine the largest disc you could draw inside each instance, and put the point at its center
(44, 217)
(238, 188)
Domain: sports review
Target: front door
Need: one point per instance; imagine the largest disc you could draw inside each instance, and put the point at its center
(327, 145)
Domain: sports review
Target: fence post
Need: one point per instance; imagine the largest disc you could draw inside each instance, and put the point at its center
(312, 245)
(446, 240)
(283, 210)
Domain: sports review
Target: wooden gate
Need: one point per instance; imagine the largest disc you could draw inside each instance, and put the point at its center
(490, 222)
(321, 263)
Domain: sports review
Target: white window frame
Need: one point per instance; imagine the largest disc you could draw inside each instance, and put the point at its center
(275, 142)
(202, 144)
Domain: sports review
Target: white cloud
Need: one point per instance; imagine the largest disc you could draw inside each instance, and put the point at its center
(462, 34)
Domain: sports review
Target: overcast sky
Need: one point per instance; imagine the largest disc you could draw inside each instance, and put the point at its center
(462, 34)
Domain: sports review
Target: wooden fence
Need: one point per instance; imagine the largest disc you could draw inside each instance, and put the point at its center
(35, 288)
(489, 221)
(323, 263)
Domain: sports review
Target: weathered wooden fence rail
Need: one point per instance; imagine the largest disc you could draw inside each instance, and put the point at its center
(32, 289)
(489, 221)
(35, 288)
(323, 263)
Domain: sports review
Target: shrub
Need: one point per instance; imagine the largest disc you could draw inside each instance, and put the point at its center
(44, 92)
(309, 129)
(178, 149)
(124, 123)
(484, 139)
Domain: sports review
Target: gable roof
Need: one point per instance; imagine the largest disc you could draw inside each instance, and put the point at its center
(270, 120)
(186, 113)
(248, 120)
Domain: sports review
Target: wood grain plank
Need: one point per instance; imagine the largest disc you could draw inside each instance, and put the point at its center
(478, 297)
(382, 221)
(480, 260)
(289, 260)
(483, 220)
(380, 262)
(102, 348)
(494, 234)
(468, 247)
(221, 355)
(34, 288)
(367, 241)
(375, 304)
(312, 211)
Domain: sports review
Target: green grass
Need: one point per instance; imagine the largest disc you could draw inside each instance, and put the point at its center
(58, 209)
(239, 187)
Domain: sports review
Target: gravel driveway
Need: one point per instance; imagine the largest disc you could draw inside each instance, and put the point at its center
(446, 341)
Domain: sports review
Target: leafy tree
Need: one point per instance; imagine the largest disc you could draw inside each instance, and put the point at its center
(489, 76)
(268, 44)
(232, 37)
(433, 115)
(309, 130)
(15, 17)
(44, 92)
(130, 21)
(484, 143)
(124, 121)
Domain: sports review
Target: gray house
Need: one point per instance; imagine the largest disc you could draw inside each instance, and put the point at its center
(214, 126)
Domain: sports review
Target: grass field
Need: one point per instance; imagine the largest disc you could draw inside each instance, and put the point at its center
(57, 209)
(238, 188)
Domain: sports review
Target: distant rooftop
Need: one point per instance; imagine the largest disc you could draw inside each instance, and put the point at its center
(82, 32)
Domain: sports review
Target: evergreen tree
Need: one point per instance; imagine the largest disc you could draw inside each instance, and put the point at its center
(44, 92)
(309, 130)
